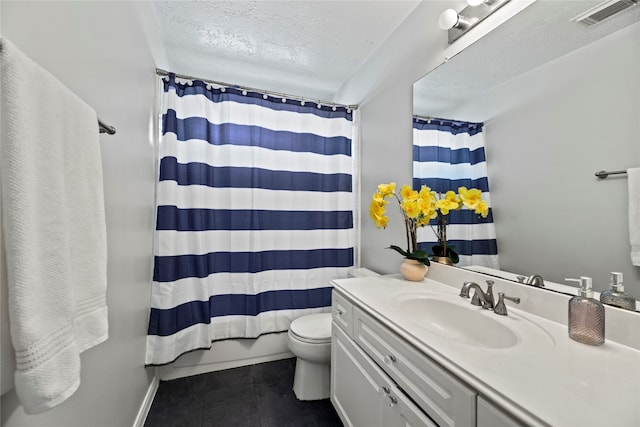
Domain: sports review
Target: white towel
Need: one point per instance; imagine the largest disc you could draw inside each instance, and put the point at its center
(633, 178)
(54, 229)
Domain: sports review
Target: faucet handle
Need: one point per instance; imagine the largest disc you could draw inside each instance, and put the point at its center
(490, 287)
(500, 307)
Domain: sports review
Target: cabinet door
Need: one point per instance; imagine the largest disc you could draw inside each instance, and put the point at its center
(408, 414)
(363, 395)
(490, 415)
(448, 402)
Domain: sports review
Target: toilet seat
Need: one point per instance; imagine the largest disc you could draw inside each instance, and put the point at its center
(312, 328)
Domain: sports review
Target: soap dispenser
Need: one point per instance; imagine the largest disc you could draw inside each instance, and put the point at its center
(586, 315)
(616, 296)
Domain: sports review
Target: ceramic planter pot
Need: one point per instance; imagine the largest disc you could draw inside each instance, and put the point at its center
(413, 270)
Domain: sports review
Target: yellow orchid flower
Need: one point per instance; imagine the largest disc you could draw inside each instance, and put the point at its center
(379, 198)
(470, 198)
(449, 202)
(408, 193)
(387, 189)
(410, 207)
(482, 209)
(377, 214)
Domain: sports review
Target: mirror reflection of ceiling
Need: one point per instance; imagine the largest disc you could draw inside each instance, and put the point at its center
(539, 34)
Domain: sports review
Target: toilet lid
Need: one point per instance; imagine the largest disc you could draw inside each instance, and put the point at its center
(316, 327)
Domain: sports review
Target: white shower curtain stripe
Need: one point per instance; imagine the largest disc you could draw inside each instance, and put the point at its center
(244, 156)
(243, 114)
(447, 155)
(182, 196)
(482, 231)
(455, 171)
(174, 243)
(191, 289)
(254, 215)
(478, 260)
(441, 138)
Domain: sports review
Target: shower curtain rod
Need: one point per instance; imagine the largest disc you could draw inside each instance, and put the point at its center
(164, 73)
(605, 174)
(105, 128)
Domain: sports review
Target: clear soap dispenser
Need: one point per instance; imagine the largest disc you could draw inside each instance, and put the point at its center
(586, 315)
(616, 296)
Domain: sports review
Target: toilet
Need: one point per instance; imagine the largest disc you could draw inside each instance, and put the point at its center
(310, 342)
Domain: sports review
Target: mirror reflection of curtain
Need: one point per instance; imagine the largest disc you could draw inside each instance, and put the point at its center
(254, 215)
(447, 155)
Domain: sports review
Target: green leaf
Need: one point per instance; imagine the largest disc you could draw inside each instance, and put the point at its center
(419, 255)
(438, 250)
(399, 250)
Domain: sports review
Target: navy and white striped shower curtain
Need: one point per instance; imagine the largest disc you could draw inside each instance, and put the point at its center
(254, 215)
(447, 155)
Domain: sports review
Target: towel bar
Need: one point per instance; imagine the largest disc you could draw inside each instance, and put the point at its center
(605, 174)
(105, 128)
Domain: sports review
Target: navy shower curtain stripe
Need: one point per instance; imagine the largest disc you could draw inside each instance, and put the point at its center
(170, 321)
(174, 268)
(448, 155)
(254, 136)
(174, 218)
(232, 94)
(442, 185)
(194, 173)
(254, 215)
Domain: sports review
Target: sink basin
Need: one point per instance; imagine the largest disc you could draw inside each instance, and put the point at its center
(465, 324)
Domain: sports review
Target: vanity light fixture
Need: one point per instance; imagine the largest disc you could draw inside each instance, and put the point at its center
(458, 23)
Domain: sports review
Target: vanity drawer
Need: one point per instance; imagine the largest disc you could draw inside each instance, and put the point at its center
(445, 399)
(342, 312)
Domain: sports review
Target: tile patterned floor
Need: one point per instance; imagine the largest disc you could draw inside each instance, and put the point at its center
(250, 396)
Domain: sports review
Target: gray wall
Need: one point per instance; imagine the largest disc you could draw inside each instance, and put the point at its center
(98, 50)
(567, 120)
(386, 129)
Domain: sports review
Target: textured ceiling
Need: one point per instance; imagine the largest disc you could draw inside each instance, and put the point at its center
(303, 47)
(539, 34)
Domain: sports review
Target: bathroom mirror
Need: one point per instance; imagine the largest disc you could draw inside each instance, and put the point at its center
(560, 101)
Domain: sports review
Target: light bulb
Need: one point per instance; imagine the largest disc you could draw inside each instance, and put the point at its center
(448, 19)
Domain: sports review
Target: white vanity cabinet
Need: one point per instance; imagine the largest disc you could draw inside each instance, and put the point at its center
(379, 380)
(490, 415)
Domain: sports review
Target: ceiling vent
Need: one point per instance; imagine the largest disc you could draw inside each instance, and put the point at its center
(604, 11)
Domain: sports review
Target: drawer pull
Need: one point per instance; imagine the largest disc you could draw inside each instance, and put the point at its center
(389, 359)
(384, 391)
(339, 312)
(391, 400)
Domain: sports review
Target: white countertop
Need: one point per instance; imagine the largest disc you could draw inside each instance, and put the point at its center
(548, 379)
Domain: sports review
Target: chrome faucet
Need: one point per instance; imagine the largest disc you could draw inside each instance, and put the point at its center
(535, 280)
(485, 299)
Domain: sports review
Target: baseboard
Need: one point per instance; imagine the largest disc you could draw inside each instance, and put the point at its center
(146, 403)
(170, 373)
